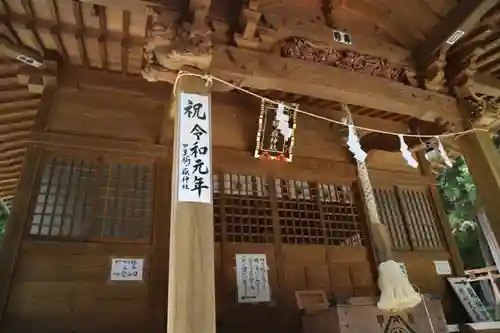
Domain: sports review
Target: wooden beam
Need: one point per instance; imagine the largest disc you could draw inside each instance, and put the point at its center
(54, 31)
(102, 42)
(97, 144)
(131, 5)
(124, 44)
(77, 13)
(485, 84)
(30, 29)
(464, 16)
(75, 77)
(191, 282)
(263, 71)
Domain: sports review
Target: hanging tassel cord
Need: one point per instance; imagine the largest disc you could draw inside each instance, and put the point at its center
(396, 292)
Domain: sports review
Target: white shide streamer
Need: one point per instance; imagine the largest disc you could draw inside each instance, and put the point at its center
(406, 153)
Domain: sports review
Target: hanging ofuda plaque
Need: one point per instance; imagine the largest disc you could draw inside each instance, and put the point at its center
(276, 133)
(252, 278)
(127, 269)
(195, 156)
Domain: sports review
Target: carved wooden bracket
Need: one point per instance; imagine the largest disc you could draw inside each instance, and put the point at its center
(175, 42)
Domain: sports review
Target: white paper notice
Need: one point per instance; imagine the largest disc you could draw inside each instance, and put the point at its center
(126, 269)
(469, 299)
(252, 278)
(195, 174)
(442, 267)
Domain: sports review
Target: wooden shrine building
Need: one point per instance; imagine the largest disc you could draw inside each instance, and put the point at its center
(87, 115)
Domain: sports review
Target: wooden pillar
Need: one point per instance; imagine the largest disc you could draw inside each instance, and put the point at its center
(191, 287)
(483, 161)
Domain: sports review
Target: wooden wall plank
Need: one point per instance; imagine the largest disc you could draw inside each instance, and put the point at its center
(16, 225)
(106, 115)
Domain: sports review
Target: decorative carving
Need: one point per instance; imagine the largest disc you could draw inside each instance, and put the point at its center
(479, 105)
(434, 78)
(173, 44)
(299, 48)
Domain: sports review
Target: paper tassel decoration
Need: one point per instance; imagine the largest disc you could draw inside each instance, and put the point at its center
(406, 153)
(354, 146)
(443, 154)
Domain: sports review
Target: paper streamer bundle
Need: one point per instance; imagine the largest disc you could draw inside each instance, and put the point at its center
(396, 292)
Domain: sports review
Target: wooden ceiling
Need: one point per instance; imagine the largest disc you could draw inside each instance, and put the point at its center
(404, 23)
(109, 35)
(482, 44)
(18, 109)
(79, 33)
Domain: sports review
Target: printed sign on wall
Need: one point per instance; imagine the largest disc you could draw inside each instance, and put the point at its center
(126, 269)
(442, 267)
(469, 299)
(195, 174)
(252, 278)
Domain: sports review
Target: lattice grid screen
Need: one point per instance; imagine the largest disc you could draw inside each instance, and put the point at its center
(244, 204)
(391, 216)
(421, 219)
(341, 215)
(81, 199)
(299, 213)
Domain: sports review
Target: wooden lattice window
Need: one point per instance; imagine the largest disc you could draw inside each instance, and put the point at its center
(244, 207)
(342, 220)
(218, 198)
(299, 213)
(391, 216)
(421, 219)
(83, 198)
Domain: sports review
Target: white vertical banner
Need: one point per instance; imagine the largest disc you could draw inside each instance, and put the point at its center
(252, 278)
(195, 153)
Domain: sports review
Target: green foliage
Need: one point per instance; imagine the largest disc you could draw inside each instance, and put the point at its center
(459, 198)
(470, 251)
(459, 195)
(4, 215)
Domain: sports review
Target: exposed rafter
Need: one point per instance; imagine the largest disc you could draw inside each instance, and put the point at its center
(132, 5)
(13, 51)
(464, 16)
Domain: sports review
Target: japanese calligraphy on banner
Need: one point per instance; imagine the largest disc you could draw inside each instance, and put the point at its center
(252, 278)
(195, 174)
(126, 269)
(469, 299)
